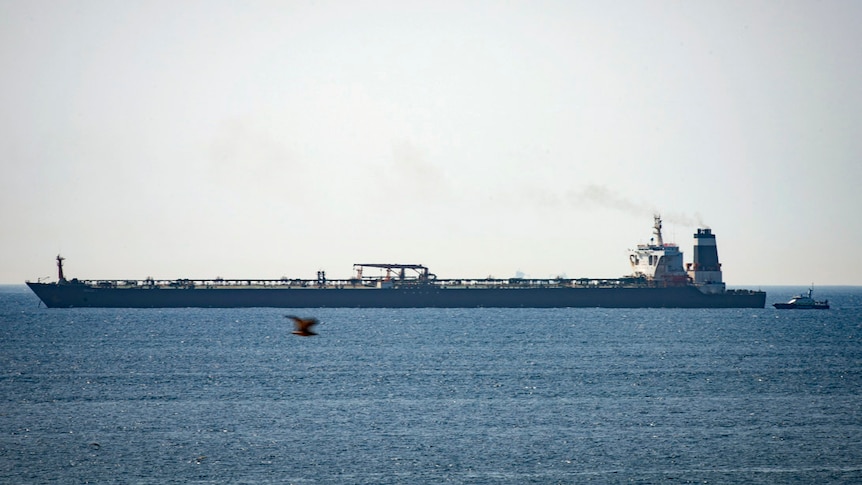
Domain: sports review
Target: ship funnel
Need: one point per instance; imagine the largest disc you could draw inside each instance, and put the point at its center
(705, 251)
(706, 269)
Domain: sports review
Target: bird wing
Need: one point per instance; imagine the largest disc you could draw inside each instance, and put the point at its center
(302, 324)
(308, 323)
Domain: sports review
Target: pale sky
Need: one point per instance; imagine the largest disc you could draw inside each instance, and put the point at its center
(261, 139)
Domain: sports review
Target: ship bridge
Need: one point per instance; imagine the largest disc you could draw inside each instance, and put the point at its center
(658, 261)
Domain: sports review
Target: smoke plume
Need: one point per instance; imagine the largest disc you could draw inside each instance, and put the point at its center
(600, 196)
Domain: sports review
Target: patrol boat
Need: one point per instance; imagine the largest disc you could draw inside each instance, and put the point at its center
(803, 302)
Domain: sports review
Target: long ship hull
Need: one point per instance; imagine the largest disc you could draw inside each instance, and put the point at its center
(429, 296)
(658, 281)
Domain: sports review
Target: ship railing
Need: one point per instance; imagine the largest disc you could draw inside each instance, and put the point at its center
(499, 283)
(206, 283)
(215, 283)
(366, 282)
(742, 291)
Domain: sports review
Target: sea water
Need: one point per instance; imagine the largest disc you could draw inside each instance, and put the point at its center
(432, 395)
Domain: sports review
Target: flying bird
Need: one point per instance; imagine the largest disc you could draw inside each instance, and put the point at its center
(303, 325)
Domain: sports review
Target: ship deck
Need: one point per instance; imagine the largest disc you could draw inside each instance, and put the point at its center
(364, 284)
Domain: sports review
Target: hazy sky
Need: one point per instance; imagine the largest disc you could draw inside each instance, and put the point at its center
(260, 139)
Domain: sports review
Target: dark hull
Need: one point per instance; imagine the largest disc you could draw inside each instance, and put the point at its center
(69, 295)
(791, 306)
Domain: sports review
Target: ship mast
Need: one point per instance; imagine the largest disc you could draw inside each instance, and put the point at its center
(60, 268)
(657, 230)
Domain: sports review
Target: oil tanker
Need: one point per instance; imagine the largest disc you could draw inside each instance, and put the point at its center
(659, 280)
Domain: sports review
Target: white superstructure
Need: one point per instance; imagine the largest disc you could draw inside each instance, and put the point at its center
(658, 261)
